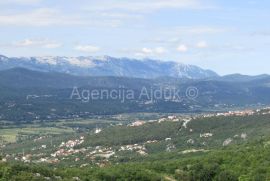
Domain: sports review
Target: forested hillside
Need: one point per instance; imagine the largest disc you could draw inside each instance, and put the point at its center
(28, 95)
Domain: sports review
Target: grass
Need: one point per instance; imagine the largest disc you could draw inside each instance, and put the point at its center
(9, 131)
(9, 135)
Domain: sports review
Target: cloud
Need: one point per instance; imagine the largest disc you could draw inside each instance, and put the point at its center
(205, 30)
(52, 45)
(109, 13)
(130, 11)
(235, 48)
(182, 48)
(146, 52)
(20, 2)
(171, 37)
(160, 50)
(39, 17)
(261, 33)
(43, 43)
(145, 6)
(87, 48)
(194, 30)
(42, 17)
(202, 44)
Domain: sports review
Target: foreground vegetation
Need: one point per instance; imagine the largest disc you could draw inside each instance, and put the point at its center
(185, 148)
(250, 161)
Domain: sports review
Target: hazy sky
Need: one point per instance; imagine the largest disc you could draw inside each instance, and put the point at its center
(227, 36)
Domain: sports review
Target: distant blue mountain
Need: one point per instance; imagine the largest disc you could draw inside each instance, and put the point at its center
(107, 66)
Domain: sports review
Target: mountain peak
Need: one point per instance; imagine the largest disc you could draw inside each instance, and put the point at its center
(3, 58)
(109, 66)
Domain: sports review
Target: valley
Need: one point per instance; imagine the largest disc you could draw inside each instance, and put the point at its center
(41, 96)
(126, 137)
(155, 90)
(57, 126)
(136, 142)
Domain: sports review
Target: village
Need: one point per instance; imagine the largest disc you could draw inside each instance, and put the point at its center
(101, 155)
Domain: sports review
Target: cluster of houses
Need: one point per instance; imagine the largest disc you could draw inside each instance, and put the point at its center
(136, 147)
(240, 113)
(171, 118)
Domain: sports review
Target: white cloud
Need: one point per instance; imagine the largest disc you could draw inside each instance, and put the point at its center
(260, 33)
(144, 6)
(205, 30)
(172, 37)
(87, 48)
(145, 52)
(52, 45)
(130, 10)
(54, 17)
(110, 13)
(182, 48)
(202, 44)
(42, 17)
(24, 43)
(193, 30)
(160, 50)
(43, 43)
(23, 2)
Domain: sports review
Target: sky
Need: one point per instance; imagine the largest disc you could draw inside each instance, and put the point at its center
(227, 36)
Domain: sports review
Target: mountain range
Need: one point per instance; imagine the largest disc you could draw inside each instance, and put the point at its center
(28, 94)
(107, 66)
(40, 87)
